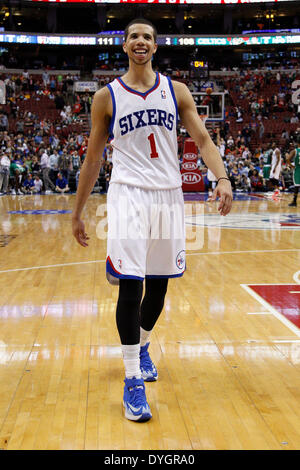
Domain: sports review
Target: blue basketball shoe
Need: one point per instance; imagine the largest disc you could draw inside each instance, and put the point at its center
(148, 369)
(134, 400)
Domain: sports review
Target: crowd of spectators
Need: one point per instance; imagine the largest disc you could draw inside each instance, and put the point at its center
(264, 94)
(50, 164)
(41, 100)
(249, 170)
(40, 151)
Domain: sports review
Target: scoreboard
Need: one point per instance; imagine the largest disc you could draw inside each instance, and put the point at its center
(109, 40)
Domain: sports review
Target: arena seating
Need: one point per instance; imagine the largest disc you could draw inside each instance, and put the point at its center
(243, 91)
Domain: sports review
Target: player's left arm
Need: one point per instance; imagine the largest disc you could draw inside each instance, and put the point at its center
(192, 122)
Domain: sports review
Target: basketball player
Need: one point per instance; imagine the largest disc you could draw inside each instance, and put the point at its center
(295, 155)
(139, 112)
(267, 157)
(275, 169)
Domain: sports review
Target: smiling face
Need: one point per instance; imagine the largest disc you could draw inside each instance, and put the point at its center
(140, 44)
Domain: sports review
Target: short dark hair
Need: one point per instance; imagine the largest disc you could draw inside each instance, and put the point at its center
(141, 21)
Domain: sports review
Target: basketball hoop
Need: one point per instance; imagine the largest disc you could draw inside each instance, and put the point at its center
(211, 104)
(203, 117)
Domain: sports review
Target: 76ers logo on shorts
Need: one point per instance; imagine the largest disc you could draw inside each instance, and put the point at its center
(180, 260)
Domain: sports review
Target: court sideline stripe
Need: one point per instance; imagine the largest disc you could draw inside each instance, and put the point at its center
(272, 310)
(52, 266)
(187, 254)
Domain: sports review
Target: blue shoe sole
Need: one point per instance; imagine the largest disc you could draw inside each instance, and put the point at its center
(142, 419)
(150, 379)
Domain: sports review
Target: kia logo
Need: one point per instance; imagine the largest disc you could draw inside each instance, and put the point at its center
(191, 178)
(190, 156)
(189, 166)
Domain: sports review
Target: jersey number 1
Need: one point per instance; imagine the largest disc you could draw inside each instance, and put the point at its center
(153, 153)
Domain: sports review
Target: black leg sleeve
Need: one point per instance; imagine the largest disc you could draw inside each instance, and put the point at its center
(153, 301)
(128, 310)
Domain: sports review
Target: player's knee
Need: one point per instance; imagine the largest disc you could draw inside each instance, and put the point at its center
(156, 289)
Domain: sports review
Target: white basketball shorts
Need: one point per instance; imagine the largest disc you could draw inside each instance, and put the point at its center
(146, 233)
(275, 174)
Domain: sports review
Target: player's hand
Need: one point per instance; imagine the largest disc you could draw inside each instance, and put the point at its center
(223, 191)
(79, 232)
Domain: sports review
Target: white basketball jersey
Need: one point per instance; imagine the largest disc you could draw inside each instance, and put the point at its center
(143, 135)
(274, 157)
(273, 173)
(273, 163)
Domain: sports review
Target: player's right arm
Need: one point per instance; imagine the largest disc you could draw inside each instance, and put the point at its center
(101, 112)
(209, 152)
(277, 153)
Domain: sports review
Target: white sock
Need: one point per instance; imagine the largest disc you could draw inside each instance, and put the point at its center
(144, 336)
(131, 358)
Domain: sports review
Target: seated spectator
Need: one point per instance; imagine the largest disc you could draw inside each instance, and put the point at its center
(28, 120)
(244, 183)
(38, 184)
(76, 163)
(77, 107)
(246, 153)
(246, 133)
(256, 181)
(294, 119)
(4, 125)
(38, 138)
(230, 142)
(61, 184)
(20, 126)
(239, 115)
(28, 184)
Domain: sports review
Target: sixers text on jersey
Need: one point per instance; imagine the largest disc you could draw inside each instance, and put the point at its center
(144, 118)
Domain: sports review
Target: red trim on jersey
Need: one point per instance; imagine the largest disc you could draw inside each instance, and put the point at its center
(139, 93)
(112, 266)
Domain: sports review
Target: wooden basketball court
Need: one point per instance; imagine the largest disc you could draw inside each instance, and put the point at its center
(227, 345)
